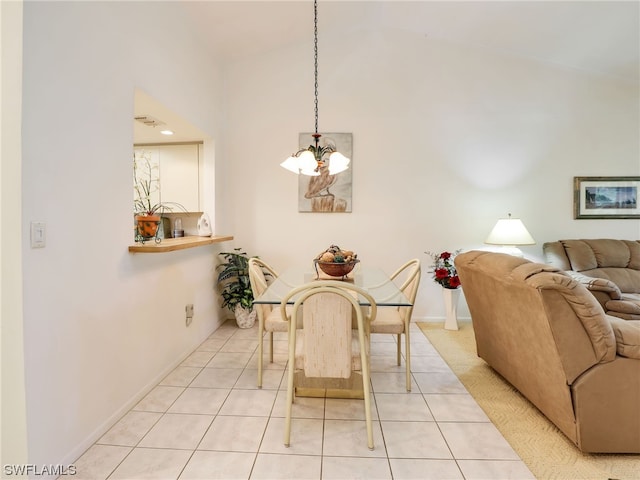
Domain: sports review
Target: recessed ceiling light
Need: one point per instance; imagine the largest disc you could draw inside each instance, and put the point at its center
(166, 132)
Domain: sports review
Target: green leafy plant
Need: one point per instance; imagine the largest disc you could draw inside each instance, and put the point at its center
(233, 277)
(146, 185)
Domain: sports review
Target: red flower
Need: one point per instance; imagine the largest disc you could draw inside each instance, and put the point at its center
(441, 273)
(454, 281)
(445, 255)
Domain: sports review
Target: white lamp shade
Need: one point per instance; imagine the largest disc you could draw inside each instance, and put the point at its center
(338, 163)
(510, 231)
(291, 164)
(304, 163)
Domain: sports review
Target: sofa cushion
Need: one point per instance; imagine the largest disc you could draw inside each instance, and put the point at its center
(628, 307)
(615, 260)
(627, 334)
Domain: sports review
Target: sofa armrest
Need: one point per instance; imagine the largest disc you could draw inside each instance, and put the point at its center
(597, 284)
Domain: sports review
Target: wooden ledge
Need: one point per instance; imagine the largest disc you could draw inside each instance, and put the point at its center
(171, 244)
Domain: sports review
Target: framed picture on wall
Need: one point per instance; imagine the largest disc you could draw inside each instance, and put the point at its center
(606, 197)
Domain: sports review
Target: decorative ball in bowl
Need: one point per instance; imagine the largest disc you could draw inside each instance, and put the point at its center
(335, 261)
(335, 269)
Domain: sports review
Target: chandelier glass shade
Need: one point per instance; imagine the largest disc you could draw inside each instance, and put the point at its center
(316, 158)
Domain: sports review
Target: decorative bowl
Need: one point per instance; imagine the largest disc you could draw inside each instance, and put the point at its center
(335, 269)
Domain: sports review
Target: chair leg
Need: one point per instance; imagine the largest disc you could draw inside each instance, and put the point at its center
(260, 354)
(291, 366)
(366, 385)
(271, 347)
(407, 360)
(399, 339)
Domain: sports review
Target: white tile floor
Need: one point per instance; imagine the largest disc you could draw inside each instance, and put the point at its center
(208, 420)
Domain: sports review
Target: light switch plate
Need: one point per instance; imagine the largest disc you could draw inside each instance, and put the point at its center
(38, 234)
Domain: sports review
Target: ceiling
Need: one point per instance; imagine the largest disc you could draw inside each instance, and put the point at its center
(595, 36)
(601, 37)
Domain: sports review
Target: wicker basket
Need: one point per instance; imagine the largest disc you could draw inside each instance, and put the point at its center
(334, 269)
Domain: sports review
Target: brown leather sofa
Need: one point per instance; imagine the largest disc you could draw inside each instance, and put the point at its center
(609, 268)
(546, 334)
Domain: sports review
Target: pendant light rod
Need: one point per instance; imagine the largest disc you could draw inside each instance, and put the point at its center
(315, 60)
(316, 158)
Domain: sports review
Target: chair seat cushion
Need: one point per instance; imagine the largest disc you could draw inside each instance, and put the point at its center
(356, 364)
(388, 320)
(274, 322)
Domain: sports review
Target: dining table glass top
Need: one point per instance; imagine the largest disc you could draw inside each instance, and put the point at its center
(371, 279)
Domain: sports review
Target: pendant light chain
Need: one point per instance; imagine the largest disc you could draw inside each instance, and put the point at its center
(315, 57)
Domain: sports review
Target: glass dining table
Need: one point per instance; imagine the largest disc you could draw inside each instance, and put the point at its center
(371, 279)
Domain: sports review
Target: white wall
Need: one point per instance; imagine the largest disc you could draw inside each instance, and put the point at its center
(102, 325)
(13, 416)
(446, 140)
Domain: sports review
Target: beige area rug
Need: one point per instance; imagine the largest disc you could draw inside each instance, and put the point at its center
(544, 448)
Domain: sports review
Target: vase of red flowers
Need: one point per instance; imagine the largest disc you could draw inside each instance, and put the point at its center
(445, 274)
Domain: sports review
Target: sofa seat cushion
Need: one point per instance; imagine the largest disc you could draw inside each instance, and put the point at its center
(627, 334)
(628, 307)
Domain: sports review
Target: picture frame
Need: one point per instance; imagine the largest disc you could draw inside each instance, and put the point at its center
(606, 197)
(327, 193)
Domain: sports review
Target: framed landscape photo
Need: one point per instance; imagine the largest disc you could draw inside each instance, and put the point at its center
(606, 197)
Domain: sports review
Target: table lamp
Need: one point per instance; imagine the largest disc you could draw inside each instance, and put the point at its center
(510, 232)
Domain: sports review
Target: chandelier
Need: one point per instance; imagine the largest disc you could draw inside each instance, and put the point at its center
(313, 159)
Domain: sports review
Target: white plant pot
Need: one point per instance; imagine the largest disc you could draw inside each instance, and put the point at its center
(451, 296)
(244, 318)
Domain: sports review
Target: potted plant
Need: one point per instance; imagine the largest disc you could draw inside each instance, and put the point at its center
(147, 207)
(233, 278)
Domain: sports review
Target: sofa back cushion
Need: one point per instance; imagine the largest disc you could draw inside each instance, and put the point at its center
(615, 260)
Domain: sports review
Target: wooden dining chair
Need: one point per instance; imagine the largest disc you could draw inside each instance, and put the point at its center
(269, 319)
(397, 320)
(327, 347)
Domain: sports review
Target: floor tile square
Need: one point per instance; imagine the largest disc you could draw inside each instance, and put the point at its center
(130, 429)
(403, 406)
(425, 469)
(200, 401)
(224, 359)
(355, 468)
(391, 382)
(152, 463)
(286, 467)
(271, 379)
(415, 440)
(99, 461)
(176, 430)
(439, 382)
(348, 438)
(257, 403)
(217, 378)
(477, 441)
(198, 359)
(234, 434)
(159, 399)
(218, 466)
(455, 407)
(303, 407)
(181, 376)
(306, 437)
(348, 409)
